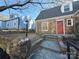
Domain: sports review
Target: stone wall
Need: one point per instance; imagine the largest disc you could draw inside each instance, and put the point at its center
(51, 27)
(76, 24)
(69, 29)
(38, 26)
(15, 50)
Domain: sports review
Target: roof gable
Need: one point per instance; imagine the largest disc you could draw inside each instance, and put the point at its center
(56, 11)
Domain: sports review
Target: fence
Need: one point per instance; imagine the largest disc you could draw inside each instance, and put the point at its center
(72, 47)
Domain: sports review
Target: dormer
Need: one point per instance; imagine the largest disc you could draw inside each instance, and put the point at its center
(67, 7)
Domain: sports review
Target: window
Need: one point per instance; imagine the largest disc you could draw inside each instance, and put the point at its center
(7, 24)
(66, 8)
(14, 24)
(69, 22)
(44, 26)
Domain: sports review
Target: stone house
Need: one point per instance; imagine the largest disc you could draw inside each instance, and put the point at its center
(59, 20)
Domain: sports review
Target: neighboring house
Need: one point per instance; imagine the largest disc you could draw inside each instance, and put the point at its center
(3, 17)
(16, 23)
(59, 20)
(22, 24)
(2, 24)
(2, 21)
(12, 24)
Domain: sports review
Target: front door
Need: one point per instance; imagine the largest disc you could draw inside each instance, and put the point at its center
(60, 27)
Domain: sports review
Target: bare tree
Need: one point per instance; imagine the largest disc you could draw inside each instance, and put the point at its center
(21, 3)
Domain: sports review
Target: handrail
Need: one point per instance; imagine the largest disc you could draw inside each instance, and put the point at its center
(70, 42)
(73, 45)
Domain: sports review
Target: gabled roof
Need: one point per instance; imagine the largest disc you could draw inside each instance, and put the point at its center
(56, 11)
(3, 17)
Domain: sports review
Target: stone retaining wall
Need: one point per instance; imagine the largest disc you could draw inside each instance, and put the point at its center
(13, 48)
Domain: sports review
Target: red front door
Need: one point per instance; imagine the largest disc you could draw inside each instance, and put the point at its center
(60, 28)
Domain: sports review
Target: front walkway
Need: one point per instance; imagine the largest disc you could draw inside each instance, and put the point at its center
(50, 48)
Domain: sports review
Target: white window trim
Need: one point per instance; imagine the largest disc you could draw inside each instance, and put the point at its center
(42, 26)
(70, 7)
(71, 22)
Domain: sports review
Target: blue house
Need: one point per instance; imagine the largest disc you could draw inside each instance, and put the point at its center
(16, 23)
(2, 24)
(12, 24)
(22, 24)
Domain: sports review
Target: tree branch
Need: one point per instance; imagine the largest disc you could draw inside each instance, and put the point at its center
(2, 8)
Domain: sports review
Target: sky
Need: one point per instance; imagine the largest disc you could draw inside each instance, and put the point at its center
(32, 10)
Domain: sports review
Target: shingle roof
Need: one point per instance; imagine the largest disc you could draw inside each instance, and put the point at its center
(56, 11)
